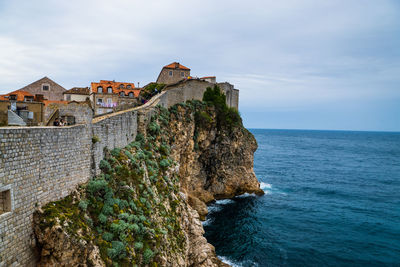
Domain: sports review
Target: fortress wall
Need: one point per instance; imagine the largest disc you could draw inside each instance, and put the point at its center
(194, 89)
(112, 132)
(37, 165)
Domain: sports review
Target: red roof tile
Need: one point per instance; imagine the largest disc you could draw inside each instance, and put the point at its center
(78, 91)
(116, 87)
(19, 93)
(176, 65)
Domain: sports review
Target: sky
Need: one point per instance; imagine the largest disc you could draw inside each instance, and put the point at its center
(299, 64)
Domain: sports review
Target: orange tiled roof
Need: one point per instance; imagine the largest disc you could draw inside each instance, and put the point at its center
(176, 65)
(116, 87)
(19, 93)
(78, 91)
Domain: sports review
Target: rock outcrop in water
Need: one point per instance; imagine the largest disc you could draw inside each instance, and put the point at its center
(144, 208)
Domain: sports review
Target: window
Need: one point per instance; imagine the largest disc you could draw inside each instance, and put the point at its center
(129, 86)
(45, 87)
(122, 93)
(121, 86)
(99, 101)
(5, 201)
(109, 90)
(13, 97)
(28, 98)
(68, 97)
(109, 101)
(182, 74)
(100, 90)
(130, 94)
(170, 73)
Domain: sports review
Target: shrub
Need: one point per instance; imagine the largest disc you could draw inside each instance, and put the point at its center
(83, 204)
(102, 218)
(117, 251)
(154, 128)
(97, 185)
(105, 166)
(95, 139)
(148, 254)
(165, 163)
(139, 138)
(138, 245)
(107, 236)
(115, 152)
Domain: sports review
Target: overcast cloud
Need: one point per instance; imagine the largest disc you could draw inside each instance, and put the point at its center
(307, 64)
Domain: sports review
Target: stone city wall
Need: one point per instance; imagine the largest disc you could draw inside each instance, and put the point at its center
(37, 165)
(195, 88)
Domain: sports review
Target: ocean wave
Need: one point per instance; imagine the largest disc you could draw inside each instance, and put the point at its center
(236, 264)
(269, 189)
(207, 222)
(224, 201)
(227, 261)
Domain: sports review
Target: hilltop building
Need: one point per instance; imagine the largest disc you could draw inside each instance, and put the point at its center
(109, 95)
(173, 73)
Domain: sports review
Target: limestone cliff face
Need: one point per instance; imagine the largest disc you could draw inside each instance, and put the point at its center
(216, 161)
(144, 208)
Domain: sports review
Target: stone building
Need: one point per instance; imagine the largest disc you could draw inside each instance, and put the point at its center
(193, 89)
(79, 94)
(46, 87)
(21, 108)
(173, 73)
(109, 95)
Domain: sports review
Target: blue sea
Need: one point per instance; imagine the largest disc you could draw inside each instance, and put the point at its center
(332, 198)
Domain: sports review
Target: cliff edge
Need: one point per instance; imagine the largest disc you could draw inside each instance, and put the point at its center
(143, 210)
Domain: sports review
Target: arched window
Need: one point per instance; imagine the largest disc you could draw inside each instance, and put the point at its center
(109, 90)
(129, 86)
(122, 93)
(121, 86)
(130, 94)
(100, 90)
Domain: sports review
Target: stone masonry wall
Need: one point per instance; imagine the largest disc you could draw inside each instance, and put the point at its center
(112, 132)
(38, 165)
(195, 88)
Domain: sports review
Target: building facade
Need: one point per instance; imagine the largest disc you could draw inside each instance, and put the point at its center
(21, 108)
(109, 95)
(79, 94)
(46, 87)
(173, 73)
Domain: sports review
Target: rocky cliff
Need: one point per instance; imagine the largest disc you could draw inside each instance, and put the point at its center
(144, 208)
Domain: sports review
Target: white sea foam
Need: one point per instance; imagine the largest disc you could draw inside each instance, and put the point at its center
(227, 261)
(214, 208)
(269, 189)
(246, 195)
(224, 201)
(207, 222)
(265, 186)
